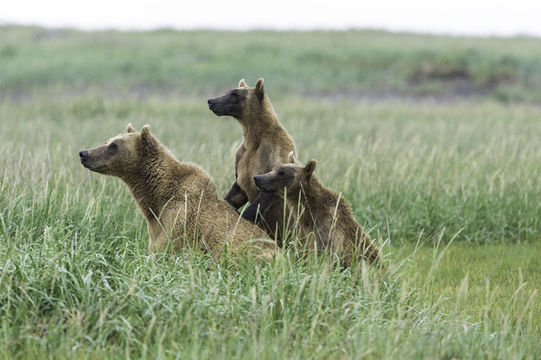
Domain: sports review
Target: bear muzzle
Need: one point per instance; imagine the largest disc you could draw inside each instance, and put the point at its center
(212, 106)
(222, 106)
(83, 154)
(262, 185)
(257, 179)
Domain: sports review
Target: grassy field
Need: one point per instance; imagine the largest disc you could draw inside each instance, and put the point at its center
(433, 140)
(334, 64)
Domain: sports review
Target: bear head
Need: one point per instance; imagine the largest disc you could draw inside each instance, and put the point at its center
(287, 178)
(240, 101)
(121, 155)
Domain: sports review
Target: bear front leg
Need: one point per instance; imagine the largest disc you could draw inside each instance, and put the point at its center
(260, 205)
(268, 210)
(236, 197)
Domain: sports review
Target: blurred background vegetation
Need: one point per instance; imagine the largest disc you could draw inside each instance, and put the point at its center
(355, 64)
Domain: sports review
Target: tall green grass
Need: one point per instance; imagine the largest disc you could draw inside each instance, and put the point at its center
(77, 279)
(472, 169)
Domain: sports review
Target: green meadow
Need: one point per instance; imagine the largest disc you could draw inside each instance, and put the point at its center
(433, 140)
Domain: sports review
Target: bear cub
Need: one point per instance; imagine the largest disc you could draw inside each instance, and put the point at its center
(265, 144)
(324, 219)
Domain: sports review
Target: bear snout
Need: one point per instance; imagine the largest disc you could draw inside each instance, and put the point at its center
(212, 104)
(83, 153)
(264, 184)
(260, 183)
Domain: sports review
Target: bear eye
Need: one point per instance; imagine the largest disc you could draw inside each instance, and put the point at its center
(281, 173)
(113, 146)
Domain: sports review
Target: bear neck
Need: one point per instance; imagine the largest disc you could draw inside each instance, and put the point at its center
(257, 124)
(318, 205)
(150, 185)
(309, 197)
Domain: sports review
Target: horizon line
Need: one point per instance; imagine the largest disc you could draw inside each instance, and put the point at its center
(346, 28)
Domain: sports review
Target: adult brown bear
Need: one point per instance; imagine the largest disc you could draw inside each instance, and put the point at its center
(178, 200)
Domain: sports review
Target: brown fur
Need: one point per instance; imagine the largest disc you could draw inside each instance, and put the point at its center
(323, 217)
(265, 144)
(178, 200)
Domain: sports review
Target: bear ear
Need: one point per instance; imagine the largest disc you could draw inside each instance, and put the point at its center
(309, 168)
(259, 89)
(242, 83)
(145, 133)
(291, 158)
(146, 137)
(130, 129)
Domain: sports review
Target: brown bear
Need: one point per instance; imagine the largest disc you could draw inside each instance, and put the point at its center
(323, 217)
(265, 144)
(178, 200)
